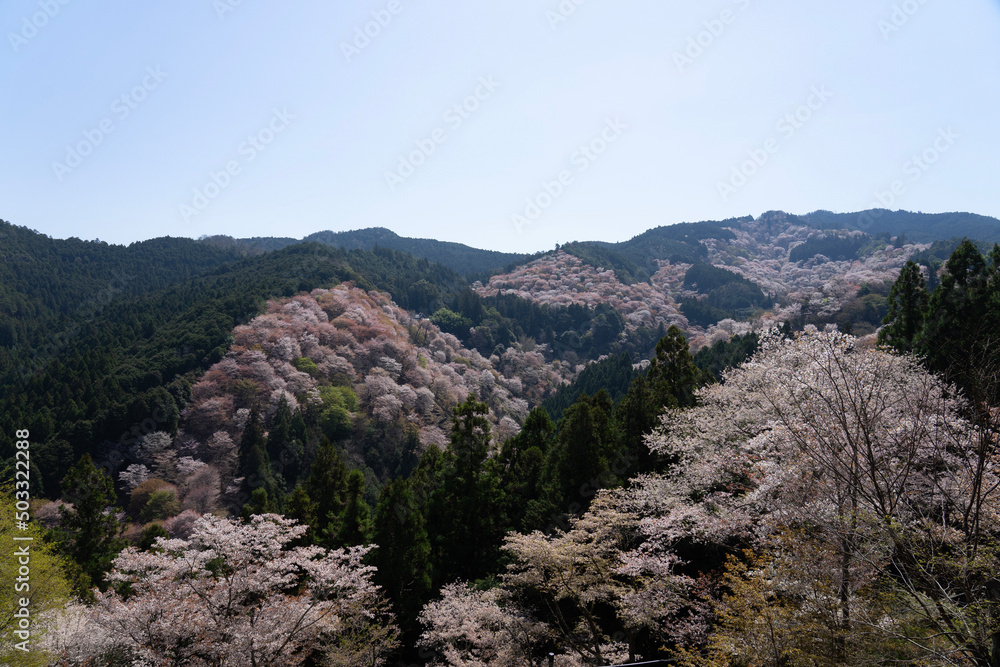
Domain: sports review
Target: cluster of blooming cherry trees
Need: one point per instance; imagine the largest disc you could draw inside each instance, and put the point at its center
(401, 367)
(856, 504)
(233, 594)
(562, 279)
(760, 253)
(854, 471)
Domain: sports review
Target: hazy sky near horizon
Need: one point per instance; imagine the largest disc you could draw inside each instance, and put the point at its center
(508, 125)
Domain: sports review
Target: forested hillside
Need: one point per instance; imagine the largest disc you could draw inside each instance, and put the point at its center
(456, 256)
(669, 448)
(920, 227)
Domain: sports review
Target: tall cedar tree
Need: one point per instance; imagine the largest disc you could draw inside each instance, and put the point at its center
(580, 462)
(961, 325)
(355, 521)
(464, 508)
(520, 466)
(672, 375)
(327, 487)
(403, 557)
(89, 533)
(907, 307)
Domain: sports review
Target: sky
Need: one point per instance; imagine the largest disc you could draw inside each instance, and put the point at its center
(511, 125)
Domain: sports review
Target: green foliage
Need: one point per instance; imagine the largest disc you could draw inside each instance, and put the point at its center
(327, 487)
(613, 375)
(47, 587)
(834, 247)
(451, 322)
(725, 354)
(161, 505)
(285, 444)
(131, 355)
(519, 468)
(963, 316)
(463, 512)
(306, 365)
(343, 397)
(599, 255)
(89, 531)
(151, 533)
(680, 244)
(906, 308)
(141, 494)
(917, 227)
(729, 295)
(580, 460)
(403, 557)
(954, 328)
(355, 521)
(672, 375)
(457, 257)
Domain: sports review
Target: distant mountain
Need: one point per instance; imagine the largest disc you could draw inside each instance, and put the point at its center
(918, 227)
(636, 260)
(456, 256)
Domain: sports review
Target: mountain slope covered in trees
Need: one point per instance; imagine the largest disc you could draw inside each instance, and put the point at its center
(609, 452)
(456, 256)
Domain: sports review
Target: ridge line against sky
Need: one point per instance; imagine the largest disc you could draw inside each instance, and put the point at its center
(509, 127)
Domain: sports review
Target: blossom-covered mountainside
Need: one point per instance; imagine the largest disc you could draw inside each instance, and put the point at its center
(777, 255)
(281, 460)
(356, 357)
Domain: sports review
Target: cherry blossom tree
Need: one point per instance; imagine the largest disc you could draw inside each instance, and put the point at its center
(472, 628)
(575, 573)
(133, 476)
(867, 453)
(235, 594)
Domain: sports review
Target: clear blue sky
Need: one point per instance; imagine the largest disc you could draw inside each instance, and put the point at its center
(674, 128)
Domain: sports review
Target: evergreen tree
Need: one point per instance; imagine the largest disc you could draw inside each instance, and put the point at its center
(954, 321)
(253, 449)
(672, 375)
(261, 502)
(403, 556)
(355, 521)
(463, 511)
(470, 439)
(636, 416)
(963, 323)
(284, 449)
(907, 307)
(579, 463)
(519, 468)
(327, 486)
(90, 532)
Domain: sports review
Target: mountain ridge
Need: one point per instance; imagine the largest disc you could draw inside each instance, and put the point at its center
(635, 258)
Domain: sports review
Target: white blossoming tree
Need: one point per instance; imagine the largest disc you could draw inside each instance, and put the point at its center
(471, 628)
(865, 460)
(236, 594)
